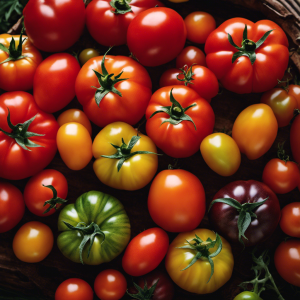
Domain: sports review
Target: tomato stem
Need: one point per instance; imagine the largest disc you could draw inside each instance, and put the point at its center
(145, 293)
(54, 200)
(121, 6)
(188, 74)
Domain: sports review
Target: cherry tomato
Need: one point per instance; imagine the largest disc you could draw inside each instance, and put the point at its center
(87, 54)
(12, 206)
(295, 139)
(190, 55)
(33, 242)
(247, 296)
(294, 90)
(290, 219)
(110, 285)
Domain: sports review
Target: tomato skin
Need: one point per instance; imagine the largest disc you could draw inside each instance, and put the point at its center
(295, 139)
(190, 55)
(176, 200)
(294, 90)
(156, 36)
(145, 252)
(290, 219)
(33, 242)
(12, 206)
(247, 296)
(56, 25)
(87, 54)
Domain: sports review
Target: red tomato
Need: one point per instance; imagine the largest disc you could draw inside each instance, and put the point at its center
(114, 17)
(110, 285)
(156, 36)
(39, 198)
(20, 156)
(176, 200)
(54, 25)
(294, 90)
(12, 206)
(295, 139)
(190, 55)
(290, 219)
(145, 252)
(74, 289)
(54, 82)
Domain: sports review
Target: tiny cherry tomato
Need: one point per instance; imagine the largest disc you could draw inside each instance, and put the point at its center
(33, 242)
(110, 285)
(295, 139)
(290, 219)
(190, 55)
(87, 54)
(247, 296)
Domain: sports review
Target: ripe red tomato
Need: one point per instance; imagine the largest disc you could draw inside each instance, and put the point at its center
(54, 25)
(294, 90)
(12, 206)
(295, 139)
(54, 82)
(290, 219)
(176, 200)
(145, 252)
(190, 55)
(156, 36)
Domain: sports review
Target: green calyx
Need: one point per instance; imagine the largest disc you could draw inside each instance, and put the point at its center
(248, 47)
(21, 134)
(188, 74)
(245, 213)
(106, 81)
(54, 200)
(281, 153)
(88, 233)
(145, 293)
(176, 112)
(121, 6)
(202, 251)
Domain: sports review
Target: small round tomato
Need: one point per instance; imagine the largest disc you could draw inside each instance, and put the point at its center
(74, 289)
(247, 296)
(33, 242)
(176, 200)
(295, 139)
(294, 90)
(45, 192)
(110, 285)
(287, 261)
(199, 25)
(190, 55)
(12, 206)
(221, 153)
(290, 219)
(145, 252)
(87, 54)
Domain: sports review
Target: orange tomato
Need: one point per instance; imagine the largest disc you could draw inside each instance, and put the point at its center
(290, 219)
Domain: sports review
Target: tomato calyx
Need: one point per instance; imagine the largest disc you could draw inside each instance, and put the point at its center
(188, 74)
(121, 6)
(145, 293)
(54, 200)
(248, 46)
(281, 153)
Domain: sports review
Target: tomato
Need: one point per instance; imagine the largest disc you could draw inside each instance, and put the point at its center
(18, 62)
(26, 152)
(87, 54)
(45, 192)
(247, 57)
(145, 252)
(114, 17)
(178, 119)
(125, 158)
(294, 90)
(199, 25)
(290, 219)
(247, 296)
(287, 261)
(295, 139)
(54, 82)
(74, 289)
(12, 206)
(74, 144)
(255, 130)
(176, 200)
(33, 242)
(221, 153)
(197, 276)
(190, 55)
(110, 285)
(156, 36)
(95, 229)
(54, 25)
(123, 97)
(75, 115)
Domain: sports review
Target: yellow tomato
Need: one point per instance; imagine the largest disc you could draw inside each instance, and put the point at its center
(196, 278)
(74, 144)
(255, 130)
(127, 171)
(221, 153)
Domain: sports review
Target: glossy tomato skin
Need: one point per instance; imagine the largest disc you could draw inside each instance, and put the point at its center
(247, 296)
(15, 162)
(176, 200)
(241, 76)
(56, 25)
(54, 82)
(12, 206)
(294, 90)
(224, 217)
(156, 36)
(190, 55)
(87, 54)
(145, 252)
(18, 75)
(295, 139)
(290, 219)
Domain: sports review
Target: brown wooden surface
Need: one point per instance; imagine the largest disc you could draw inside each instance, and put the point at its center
(43, 278)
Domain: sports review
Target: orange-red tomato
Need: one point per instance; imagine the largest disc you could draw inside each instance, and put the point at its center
(295, 139)
(294, 90)
(190, 55)
(290, 219)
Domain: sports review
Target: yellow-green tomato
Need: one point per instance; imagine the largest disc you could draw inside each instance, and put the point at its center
(221, 153)
(87, 54)
(247, 296)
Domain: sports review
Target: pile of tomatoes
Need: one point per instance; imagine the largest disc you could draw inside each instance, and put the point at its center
(115, 93)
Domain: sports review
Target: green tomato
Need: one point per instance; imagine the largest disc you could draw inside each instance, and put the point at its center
(95, 229)
(87, 54)
(247, 296)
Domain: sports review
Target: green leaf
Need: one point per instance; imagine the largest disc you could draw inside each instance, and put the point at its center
(245, 33)
(252, 56)
(232, 42)
(238, 54)
(263, 38)
(229, 201)
(133, 141)
(196, 257)
(3, 48)
(243, 223)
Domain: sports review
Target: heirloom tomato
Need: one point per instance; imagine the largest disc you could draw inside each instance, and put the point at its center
(189, 56)
(120, 93)
(199, 261)
(125, 158)
(87, 54)
(295, 139)
(156, 36)
(290, 219)
(95, 229)
(54, 25)
(247, 296)
(27, 136)
(114, 17)
(178, 119)
(247, 57)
